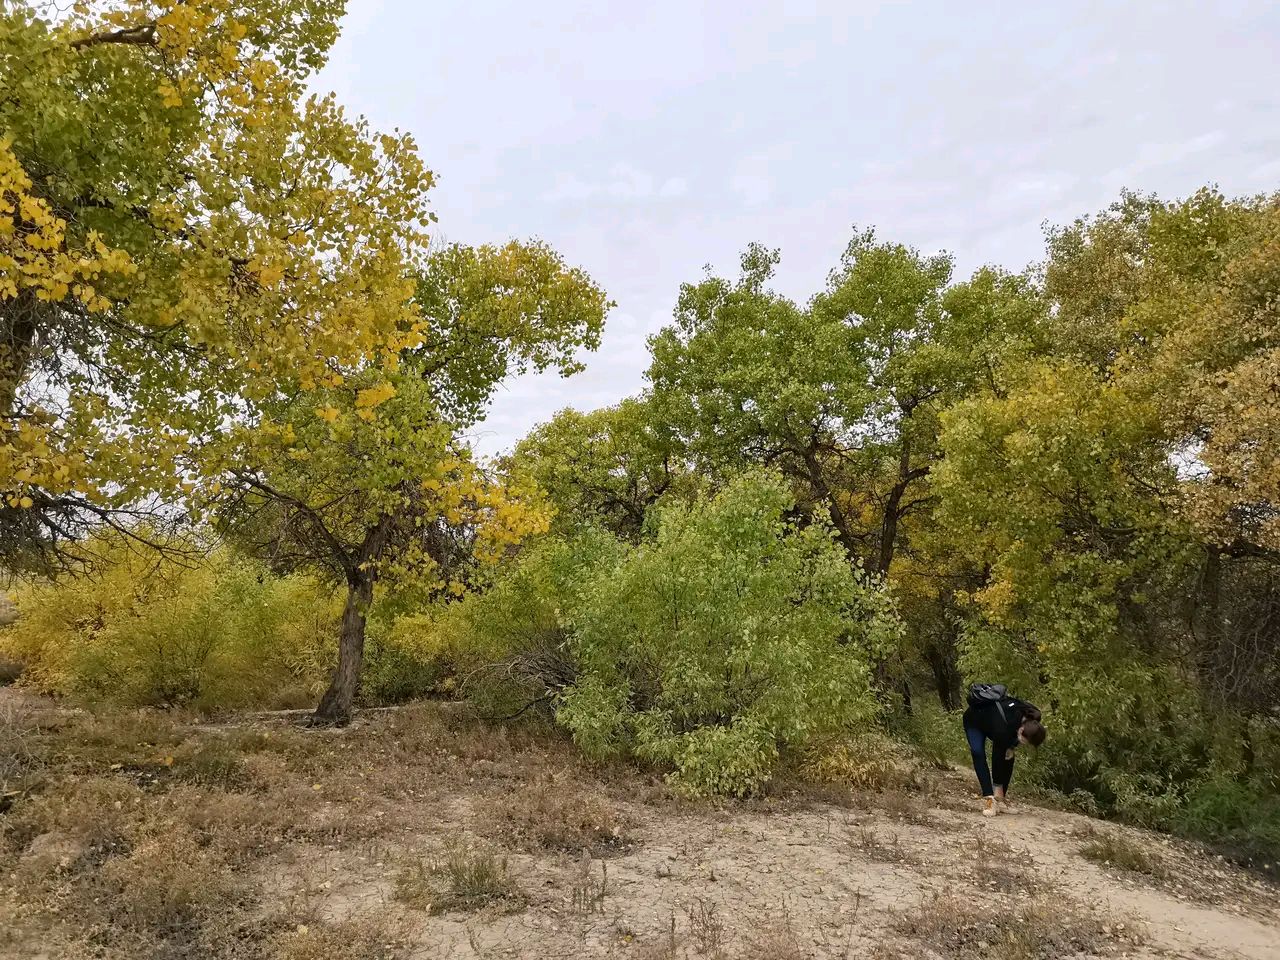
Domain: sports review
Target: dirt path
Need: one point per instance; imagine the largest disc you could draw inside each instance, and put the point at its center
(833, 882)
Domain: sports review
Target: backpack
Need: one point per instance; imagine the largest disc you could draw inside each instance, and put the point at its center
(985, 694)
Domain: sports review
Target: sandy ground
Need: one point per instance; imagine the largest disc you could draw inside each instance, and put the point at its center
(848, 876)
(835, 878)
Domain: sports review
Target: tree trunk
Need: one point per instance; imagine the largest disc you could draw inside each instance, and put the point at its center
(335, 705)
(946, 675)
(893, 508)
(844, 531)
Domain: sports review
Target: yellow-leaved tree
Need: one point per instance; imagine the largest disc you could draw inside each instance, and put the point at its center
(185, 233)
(369, 479)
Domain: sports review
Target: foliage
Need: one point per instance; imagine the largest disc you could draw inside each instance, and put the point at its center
(730, 634)
(222, 634)
(606, 467)
(510, 643)
(171, 203)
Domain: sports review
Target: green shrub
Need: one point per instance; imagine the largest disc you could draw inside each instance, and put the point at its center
(1234, 814)
(509, 644)
(146, 630)
(732, 633)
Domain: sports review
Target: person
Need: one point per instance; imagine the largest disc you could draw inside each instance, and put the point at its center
(992, 714)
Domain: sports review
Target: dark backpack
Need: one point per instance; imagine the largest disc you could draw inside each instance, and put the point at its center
(986, 694)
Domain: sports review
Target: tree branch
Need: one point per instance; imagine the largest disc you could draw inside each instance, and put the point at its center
(141, 36)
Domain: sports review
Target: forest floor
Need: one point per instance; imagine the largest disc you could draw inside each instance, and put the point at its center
(418, 833)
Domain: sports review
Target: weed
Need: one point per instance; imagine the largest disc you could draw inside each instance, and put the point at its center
(905, 807)
(461, 878)
(959, 929)
(875, 846)
(706, 927)
(374, 937)
(557, 814)
(588, 892)
(776, 940)
(1113, 849)
(665, 947)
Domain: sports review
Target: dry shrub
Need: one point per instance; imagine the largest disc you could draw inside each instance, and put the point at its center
(775, 940)
(882, 847)
(558, 813)
(707, 929)
(96, 814)
(460, 878)
(1046, 928)
(165, 887)
(377, 936)
(1114, 849)
(905, 807)
(867, 762)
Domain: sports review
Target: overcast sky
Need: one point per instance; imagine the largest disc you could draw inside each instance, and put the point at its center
(644, 141)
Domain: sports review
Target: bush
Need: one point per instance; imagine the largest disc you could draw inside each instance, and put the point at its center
(145, 630)
(509, 644)
(732, 633)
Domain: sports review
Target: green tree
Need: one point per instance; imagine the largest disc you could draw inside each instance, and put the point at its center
(370, 481)
(172, 209)
(1120, 497)
(607, 467)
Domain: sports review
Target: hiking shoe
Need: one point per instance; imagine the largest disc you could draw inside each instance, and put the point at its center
(989, 808)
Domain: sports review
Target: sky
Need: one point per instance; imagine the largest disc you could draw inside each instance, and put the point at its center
(648, 141)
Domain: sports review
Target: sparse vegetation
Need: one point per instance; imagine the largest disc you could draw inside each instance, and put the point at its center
(556, 813)
(707, 928)
(1044, 928)
(461, 877)
(1108, 848)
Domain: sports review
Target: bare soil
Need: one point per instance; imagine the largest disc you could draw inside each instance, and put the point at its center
(349, 844)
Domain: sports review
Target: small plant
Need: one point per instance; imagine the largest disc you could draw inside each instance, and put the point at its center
(588, 892)
(1112, 849)
(876, 847)
(461, 878)
(777, 940)
(557, 814)
(961, 929)
(706, 927)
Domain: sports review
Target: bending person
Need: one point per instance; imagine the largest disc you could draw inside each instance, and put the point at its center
(1008, 723)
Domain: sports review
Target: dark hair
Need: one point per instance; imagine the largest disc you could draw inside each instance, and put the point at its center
(1033, 730)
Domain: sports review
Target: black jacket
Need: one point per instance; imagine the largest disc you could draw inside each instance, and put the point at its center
(999, 721)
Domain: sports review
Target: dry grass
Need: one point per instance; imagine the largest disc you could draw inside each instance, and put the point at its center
(379, 936)
(460, 878)
(775, 940)
(1113, 849)
(132, 833)
(1045, 928)
(707, 928)
(878, 845)
(556, 813)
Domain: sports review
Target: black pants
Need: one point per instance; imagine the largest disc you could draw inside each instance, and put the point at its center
(1001, 770)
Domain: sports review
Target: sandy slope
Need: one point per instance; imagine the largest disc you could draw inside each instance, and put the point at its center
(836, 879)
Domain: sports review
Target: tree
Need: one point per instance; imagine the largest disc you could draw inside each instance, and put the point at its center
(369, 479)
(183, 233)
(844, 398)
(1120, 496)
(607, 467)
